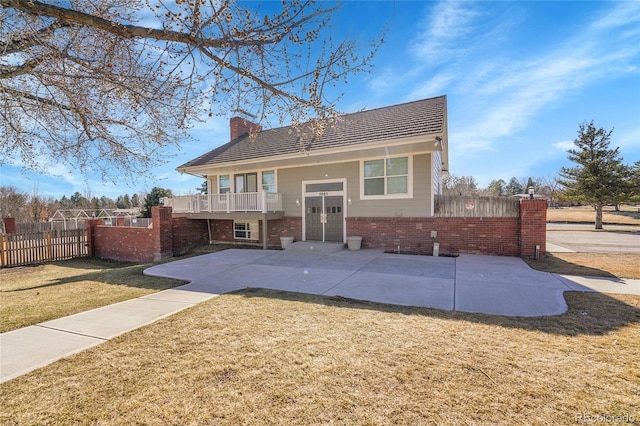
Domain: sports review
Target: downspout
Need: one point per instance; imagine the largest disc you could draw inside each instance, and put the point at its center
(209, 229)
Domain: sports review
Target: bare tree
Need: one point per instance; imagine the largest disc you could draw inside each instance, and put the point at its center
(13, 203)
(459, 185)
(107, 85)
(549, 187)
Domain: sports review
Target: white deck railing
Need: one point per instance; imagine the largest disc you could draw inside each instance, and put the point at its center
(230, 202)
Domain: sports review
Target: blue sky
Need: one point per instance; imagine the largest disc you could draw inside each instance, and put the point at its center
(519, 76)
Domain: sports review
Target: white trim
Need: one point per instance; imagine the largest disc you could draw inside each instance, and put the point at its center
(409, 193)
(320, 152)
(306, 194)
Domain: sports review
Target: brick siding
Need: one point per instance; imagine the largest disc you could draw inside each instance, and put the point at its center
(168, 237)
(514, 236)
(187, 234)
(497, 236)
(285, 227)
(533, 227)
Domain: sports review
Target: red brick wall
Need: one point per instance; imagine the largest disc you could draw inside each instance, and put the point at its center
(511, 236)
(222, 230)
(126, 244)
(516, 236)
(167, 237)
(285, 227)
(533, 227)
(497, 236)
(163, 232)
(188, 233)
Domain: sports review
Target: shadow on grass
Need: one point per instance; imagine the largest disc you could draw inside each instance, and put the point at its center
(556, 265)
(633, 215)
(589, 313)
(107, 272)
(112, 272)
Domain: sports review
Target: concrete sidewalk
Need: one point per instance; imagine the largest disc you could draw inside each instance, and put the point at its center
(28, 348)
(469, 283)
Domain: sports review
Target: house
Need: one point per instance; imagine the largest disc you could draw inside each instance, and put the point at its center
(381, 164)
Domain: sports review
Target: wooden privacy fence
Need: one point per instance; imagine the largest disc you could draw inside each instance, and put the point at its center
(29, 248)
(473, 206)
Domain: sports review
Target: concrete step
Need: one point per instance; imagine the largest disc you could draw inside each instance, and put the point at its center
(315, 246)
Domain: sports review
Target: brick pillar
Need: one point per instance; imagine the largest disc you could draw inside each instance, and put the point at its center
(533, 227)
(91, 235)
(162, 232)
(10, 225)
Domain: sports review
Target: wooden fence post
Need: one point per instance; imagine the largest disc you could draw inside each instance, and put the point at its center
(4, 250)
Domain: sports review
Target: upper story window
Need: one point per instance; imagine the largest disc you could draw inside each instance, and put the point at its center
(386, 178)
(269, 181)
(224, 184)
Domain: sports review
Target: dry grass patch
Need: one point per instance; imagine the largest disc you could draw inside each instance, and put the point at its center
(266, 357)
(627, 216)
(34, 294)
(620, 265)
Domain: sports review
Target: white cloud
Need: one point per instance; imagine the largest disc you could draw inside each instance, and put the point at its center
(444, 29)
(563, 145)
(502, 97)
(622, 14)
(433, 87)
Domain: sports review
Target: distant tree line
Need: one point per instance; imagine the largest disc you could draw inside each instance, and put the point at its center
(33, 207)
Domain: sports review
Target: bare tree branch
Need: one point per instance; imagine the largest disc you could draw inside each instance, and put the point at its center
(82, 82)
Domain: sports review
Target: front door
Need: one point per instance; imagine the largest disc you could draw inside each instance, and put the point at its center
(323, 210)
(313, 218)
(333, 219)
(324, 218)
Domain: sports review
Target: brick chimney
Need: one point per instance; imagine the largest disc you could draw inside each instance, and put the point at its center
(240, 126)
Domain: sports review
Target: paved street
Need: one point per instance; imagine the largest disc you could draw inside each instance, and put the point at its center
(583, 238)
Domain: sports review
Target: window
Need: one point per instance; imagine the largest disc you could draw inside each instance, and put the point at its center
(224, 184)
(245, 230)
(324, 187)
(269, 181)
(246, 182)
(386, 177)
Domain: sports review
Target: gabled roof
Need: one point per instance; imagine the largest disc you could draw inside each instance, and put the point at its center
(417, 118)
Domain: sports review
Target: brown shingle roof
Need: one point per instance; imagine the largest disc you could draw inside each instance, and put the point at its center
(398, 121)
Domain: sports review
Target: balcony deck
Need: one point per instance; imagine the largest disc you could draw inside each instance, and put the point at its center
(243, 202)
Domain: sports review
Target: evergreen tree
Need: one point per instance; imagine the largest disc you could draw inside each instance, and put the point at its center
(599, 176)
(514, 187)
(634, 183)
(153, 199)
(203, 188)
(496, 188)
(531, 183)
(135, 201)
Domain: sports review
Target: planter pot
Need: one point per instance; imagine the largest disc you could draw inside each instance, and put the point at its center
(354, 243)
(285, 241)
